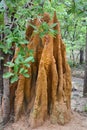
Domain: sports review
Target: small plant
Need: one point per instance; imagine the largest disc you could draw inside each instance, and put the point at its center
(44, 29)
(70, 62)
(85, 108)
(20, 64)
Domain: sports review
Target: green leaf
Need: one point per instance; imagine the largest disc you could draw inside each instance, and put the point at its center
(1, 58)
(33, 26)
(21, 70)
(14, 78)
(17, 61)
(1, 46)
(53, 25)
(7, 75)
(26, 75)
(27, 65)
(9, 64)
(16, 67)
(31, 58)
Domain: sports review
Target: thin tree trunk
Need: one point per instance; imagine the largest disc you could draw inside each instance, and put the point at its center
(73, 58)
(1, 87)
(1, 80)
(85, 78)
(5, 100)
(73, 39)
(81, 56)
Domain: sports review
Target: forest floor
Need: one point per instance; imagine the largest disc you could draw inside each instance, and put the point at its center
(79, 110)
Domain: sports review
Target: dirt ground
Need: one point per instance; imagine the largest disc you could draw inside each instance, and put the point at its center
(77, 122)
(79, 114)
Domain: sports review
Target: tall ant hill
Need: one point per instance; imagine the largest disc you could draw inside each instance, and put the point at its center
(47, 93)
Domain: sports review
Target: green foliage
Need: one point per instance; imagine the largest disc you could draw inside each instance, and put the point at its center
(72, 17)
(85, 108)
(70, 63)
(44, 29)
(73, 63)
(20, 65)
(7, 75)
(16, 37)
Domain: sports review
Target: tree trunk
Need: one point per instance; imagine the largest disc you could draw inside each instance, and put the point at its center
(6, 92)
(47, 93)
(1, 87)
(1, 80)
(81, 56)
(73, 57)
(85, 78)
(6, 101)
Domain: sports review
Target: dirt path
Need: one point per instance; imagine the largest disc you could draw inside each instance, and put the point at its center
(78, 102)
(78, 122)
